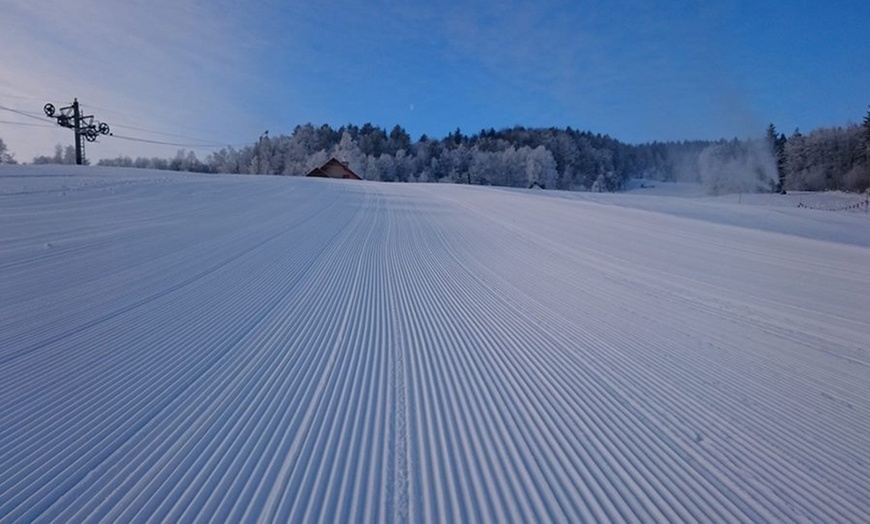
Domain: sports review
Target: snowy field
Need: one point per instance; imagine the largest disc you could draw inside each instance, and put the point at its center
(178, 347)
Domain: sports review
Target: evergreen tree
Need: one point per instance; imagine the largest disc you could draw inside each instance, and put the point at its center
(771, 135)
(867, 138)
(777, 144)
(399, 139)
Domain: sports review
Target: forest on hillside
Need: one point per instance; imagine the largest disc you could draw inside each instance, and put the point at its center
(836, 158)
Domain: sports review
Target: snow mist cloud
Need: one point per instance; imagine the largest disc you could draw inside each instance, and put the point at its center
(738, 166)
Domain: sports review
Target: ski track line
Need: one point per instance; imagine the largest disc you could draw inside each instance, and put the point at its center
(614, 382)
(237, 349)
(608, 498)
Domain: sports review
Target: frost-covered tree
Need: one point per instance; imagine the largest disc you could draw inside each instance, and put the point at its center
(187, 161)
(69, 155)
(511, 164)
(5, 156)
(827, 158)
(121, 161)
(372, 169)
(317, 159)
(403, 165)
(264, 161)
(598, 185)
(62, 155)
(557, 158)
(795, 160)
(455, 163)
(866, 136)
(540, 167)
(482, 170)
(297, 149)
(224, 161)
(348, 151)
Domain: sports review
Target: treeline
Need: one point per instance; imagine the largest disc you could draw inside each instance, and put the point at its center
(515, 157)
(830, 158)
(825, 159)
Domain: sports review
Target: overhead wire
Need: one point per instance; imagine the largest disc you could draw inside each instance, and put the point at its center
(19, 97)
(207, 142)
(204, 145)
(23, 113)
(160, 142)
(27, 124)
(128, 115)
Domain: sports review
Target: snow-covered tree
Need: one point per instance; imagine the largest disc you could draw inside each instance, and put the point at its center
(62, 155)
(386, 168)
(557, 158)
(403, 165)
(5, 156)
(482, 169)
(372, 169)
(541, 167)
(224, 161)
(316, 159)
(187, 161)
(598, 185)
(866, 136)
(263, 160)
(348, 151)
(827, 158)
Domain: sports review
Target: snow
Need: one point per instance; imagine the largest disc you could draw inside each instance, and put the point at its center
(659, 188)
(832, 216)
(178, 347)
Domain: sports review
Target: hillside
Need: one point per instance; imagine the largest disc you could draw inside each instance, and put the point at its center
(177, 346)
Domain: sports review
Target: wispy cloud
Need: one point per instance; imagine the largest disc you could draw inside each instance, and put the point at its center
(154, 65)
(224, 70)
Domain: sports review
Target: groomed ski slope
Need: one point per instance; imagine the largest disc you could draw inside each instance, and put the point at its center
(187, 347)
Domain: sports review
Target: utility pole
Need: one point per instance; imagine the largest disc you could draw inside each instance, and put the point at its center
(83, 126)
(77, 118)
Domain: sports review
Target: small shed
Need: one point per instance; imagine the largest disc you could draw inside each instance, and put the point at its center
(334, 169)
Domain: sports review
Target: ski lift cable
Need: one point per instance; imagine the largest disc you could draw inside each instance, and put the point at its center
(161, 142)
(128, 115)
(28, 124)
(134, 128)
(23, 113)
(41, 117)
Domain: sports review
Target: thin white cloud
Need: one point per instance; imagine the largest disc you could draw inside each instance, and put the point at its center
(225, 70)
(167, 65)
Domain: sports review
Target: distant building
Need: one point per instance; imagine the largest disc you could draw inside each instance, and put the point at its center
(334, 169)
(536, 185)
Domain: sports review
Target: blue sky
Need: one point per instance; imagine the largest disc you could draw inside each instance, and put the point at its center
(203, 73)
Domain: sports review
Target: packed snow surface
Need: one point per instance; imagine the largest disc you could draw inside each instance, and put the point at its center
(178, 347)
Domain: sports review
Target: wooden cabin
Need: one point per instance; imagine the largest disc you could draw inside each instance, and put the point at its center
(334, 169)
